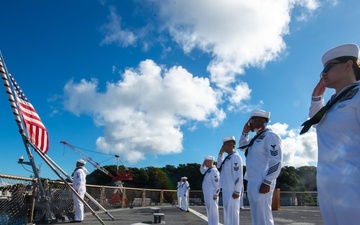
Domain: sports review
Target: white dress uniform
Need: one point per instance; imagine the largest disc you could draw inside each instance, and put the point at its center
(263, 165)
(211, 189)
(231, 182)
(178, 192)
(338, 171)
(79, 184)
(185, 186)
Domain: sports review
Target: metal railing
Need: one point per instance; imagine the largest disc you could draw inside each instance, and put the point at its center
(19, 200)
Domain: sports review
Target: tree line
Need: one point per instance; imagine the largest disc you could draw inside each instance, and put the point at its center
(290, 178)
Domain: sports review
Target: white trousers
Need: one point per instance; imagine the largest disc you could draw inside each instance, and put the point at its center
(339, 202)
(260, 204)
(212, 207)
(179, 200)
(184, 202)
(231, 208)
(79, 206)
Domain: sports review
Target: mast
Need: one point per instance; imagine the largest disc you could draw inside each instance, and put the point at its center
(43, 198)
(13, 104)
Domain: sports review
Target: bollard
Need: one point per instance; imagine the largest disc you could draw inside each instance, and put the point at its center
(157, 217)
(276, 199)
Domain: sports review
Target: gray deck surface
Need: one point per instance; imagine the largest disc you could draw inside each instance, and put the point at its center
(287, 215)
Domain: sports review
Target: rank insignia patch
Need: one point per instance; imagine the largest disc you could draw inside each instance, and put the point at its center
(236, 167)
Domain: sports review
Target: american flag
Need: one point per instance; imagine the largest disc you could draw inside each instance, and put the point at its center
(36, 130)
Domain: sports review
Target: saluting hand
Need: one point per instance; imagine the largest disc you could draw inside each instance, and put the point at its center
(246, 128)
(319, 88)
(222, 150)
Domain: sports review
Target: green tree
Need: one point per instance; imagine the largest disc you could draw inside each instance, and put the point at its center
(307, 175)
(158, 178)
(140, 178)
(173, 175)
(192, 172)
(98, 177)
(288, 179)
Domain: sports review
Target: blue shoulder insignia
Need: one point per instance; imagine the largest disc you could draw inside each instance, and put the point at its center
(350, 95)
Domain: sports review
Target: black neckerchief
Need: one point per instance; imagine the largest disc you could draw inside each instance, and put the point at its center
(319, 115)
(225, 160)
(75, 170)
(208, 170)
(252, 141)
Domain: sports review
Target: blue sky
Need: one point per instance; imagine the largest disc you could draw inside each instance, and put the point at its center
(162, 82)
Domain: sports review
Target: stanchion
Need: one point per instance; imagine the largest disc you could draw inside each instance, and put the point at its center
(276, 199)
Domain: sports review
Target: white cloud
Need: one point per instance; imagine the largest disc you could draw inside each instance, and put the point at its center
(298, 150)
(238, 34)
(238, 95)
(78, 96)
(311, 5)
(143, 113)
(114, 33)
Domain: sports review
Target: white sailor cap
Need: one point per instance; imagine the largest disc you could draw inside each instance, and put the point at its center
(81, 161)
(184, 178)
(209, 157)
(260, 113)
(340, 51)
(228, 138)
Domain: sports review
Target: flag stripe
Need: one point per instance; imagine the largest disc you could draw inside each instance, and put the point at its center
(36, 130)
(28, 109)
(31, 119)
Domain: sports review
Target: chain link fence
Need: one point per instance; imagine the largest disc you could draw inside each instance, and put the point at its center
(16, 199)
(20, 202)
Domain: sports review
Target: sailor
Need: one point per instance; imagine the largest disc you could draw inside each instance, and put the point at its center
(178, 192)
(231, 182)
(79, 185)
(185, 187)
(263, 165)
(211, 189)
(338, 139)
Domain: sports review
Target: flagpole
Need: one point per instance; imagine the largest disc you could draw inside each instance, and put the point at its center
(11, 99)
(4, 74)
(13, 106)
(87, 194)
(42, 155)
